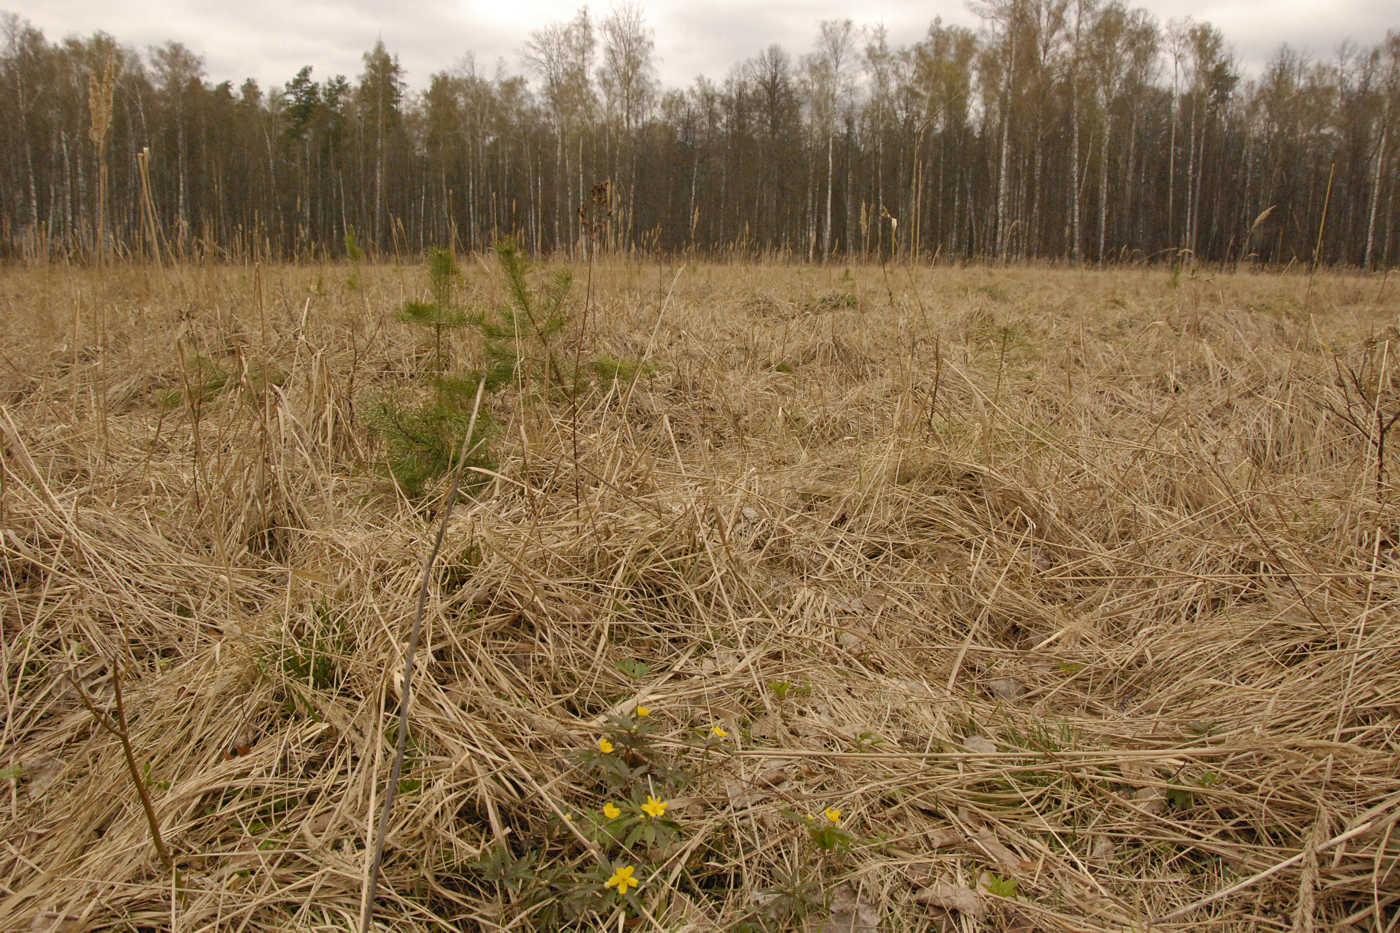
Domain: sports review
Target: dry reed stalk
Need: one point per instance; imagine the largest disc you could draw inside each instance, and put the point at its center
(406, 693)
(100, 111)
(148, 204)
(1321, 228)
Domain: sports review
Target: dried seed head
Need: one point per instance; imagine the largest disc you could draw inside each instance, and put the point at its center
(100, 100)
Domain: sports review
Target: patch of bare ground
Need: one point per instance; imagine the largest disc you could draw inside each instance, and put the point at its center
(1003, 599)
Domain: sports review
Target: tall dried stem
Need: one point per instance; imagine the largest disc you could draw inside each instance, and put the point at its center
(118, 728)
(100, 108)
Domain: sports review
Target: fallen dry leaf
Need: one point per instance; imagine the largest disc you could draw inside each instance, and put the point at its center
(979, 743)
(770, 726)
(944, 837)
(987, 841)
(1103, 848)
(40, 774)
(1007, 688)
(950, 896)
(1151, 800)
(774, 772)
(850, 914)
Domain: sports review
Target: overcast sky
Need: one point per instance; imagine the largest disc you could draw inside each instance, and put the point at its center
(271, 39)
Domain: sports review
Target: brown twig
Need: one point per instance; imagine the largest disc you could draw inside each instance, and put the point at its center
(119, 729)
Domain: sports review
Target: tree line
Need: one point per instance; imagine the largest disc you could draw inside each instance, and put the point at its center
(1081, 130)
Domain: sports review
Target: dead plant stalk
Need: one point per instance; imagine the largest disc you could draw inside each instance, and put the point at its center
(405, 693)
(119, 728)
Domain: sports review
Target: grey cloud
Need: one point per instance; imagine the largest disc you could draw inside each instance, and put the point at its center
(271, 39)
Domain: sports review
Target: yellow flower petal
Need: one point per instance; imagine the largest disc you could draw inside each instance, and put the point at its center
(622, 879)
(611, 811)
(643, 711)
(654, 808)
(719, 732)
(833, 814)
(605, 746)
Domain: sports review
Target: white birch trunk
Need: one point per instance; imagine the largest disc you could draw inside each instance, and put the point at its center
(826, 232)
(1376, 188)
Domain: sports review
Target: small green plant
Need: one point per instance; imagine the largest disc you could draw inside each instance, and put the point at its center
(832, 301)
(630, 765)
(355, 255)
(868, 741)
(633, 668)
(258, 378)
(627, 825)
(457, 572)
(610, 369)
(1182, 796)
(442, 312)
(519, 340)
(827, 833)
(308, 658)
(782, 689)
(519, 346)
(203, 379)
(421, 442)
(1047, 737)
(599, 864)
(996, 293)
(803, 889)
(787, 904)
(999, 886)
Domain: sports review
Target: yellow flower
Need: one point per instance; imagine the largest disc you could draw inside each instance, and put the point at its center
(643, 711)
(605, 746)
(718, 732)
(611, 811)
(654, 808)
(622, 879)
(833, 814)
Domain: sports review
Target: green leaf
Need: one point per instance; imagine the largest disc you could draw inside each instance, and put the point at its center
(633, 668)
(1001, 887)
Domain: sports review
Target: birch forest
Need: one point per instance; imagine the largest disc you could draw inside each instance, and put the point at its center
(1063, 130)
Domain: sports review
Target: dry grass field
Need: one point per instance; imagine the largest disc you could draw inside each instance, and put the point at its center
(954, 599)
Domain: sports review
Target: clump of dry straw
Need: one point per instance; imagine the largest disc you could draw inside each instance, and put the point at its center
(1076, 581)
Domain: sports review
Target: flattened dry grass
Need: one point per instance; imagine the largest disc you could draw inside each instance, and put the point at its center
(1076, 579)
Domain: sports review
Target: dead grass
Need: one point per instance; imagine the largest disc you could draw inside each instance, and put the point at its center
(1076, 579)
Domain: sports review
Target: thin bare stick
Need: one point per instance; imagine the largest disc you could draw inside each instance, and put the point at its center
(1260, 876)
(119, 729)
(1321, 228)
(372, 881)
